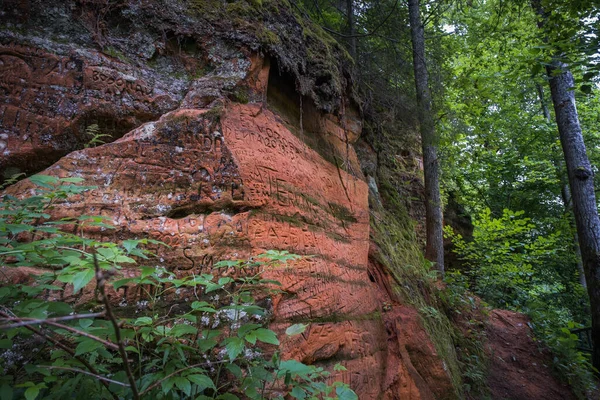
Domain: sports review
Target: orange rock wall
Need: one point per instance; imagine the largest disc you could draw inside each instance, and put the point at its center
(217, 179)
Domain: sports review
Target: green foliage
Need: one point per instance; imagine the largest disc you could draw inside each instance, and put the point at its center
(217, 346)
(503, 257)
(95, 137)
(466, 314)
(553, 328)
(507, 265)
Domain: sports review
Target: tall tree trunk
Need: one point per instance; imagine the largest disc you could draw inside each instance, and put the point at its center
(434, 250)
(351, 28)
(581, 182)
(565, 192)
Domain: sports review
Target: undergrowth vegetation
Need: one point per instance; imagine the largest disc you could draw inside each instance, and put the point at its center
(66, 330)
(511, 264)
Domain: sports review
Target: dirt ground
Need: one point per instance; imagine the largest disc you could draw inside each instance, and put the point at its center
(518, 369)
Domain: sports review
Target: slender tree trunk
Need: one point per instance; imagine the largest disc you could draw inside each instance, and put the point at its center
(565, 192)
(581, 182)
(351, 28)
(434, 250)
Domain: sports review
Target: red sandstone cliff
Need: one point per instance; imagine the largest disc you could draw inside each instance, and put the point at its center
(229, 136)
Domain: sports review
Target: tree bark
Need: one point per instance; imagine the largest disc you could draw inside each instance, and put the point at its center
(581, 182)
(351, 28)
(434, 250)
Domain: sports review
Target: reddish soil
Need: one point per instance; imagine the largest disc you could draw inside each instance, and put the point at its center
(518, 369)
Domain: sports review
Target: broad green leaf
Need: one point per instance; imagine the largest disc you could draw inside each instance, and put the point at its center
(85, 323)
(81, 279)
(298, 393)
(32, 392)
(266, 336)
(202, 381)
(235, 370)
(183, 329)
(345, 393)
(295, 367)
(167, 385)
(234, 347)
(296, 329)
(129, 245)
(143, 321)
(183, 384)
(87, 345)
(44, 180)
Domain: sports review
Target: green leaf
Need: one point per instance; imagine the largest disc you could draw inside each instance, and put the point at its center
(298, 393)
(123, 282)
(132, 349)
(296, 329)
(143, 321)
(266, 336)
(202, 306)
(6, 392)
(15, 229)
(32, 392)
(85, 323)
(81, 279)
(6, 343)
(72, 180)
(183, 384)
(294, 367)
(129, 245)
(44, 180)
(234, 347)
(183, 329)
(235, 370)
(339, 367)
(345, 393)
(250, 337)
(202, 381)
(167, 385)
(87, 345)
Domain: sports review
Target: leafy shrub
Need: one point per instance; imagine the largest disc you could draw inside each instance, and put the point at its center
(217, 346)
(511, 265)
(503, 257)
(553, 328)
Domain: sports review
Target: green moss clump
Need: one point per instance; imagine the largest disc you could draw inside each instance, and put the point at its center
(240, 95)
(268, 37)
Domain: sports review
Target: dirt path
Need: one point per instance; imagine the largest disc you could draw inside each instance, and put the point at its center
(518, 369)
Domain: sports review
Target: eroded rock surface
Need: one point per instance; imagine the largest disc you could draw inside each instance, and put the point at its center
(220, 155)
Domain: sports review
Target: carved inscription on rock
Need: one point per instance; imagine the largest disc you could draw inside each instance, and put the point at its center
(49, 100)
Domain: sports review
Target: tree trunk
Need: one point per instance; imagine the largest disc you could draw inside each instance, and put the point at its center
(434, 250)
(351, 28)
(581, 182)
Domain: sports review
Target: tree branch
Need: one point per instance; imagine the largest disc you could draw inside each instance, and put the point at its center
(81, 371)
(100, 281)
(68, 350)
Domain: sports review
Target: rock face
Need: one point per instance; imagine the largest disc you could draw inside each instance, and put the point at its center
(221, 152)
